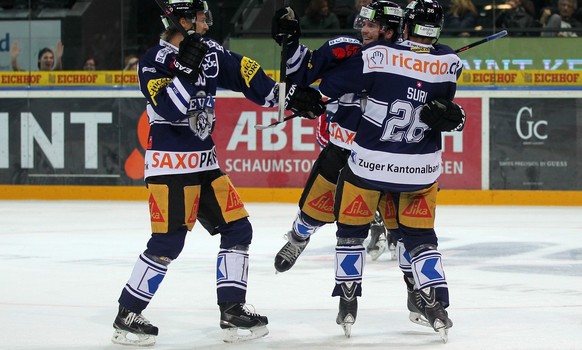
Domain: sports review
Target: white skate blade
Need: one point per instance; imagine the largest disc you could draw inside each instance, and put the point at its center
(417, 318)
(443, 331)
(347, 325)
(231, 335)
(121, 337)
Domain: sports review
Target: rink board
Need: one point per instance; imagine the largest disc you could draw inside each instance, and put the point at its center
(290, 195)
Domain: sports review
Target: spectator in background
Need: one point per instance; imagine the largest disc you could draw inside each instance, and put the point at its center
(344, 10)
(131, 62)
(47, 59)
(519, 15)
(358, 4)
(317, 17)
(462, 15)
(562, 18)
(90, 64)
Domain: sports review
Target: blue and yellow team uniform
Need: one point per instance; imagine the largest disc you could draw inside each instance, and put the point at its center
(182, 171)
(395, 158)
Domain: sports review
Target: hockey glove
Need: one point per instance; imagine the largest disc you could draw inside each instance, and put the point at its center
(190, 56)
(304, 100)
(443, 115)
(285, 23)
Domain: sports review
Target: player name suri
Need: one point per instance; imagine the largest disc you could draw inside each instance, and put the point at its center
(393, 168)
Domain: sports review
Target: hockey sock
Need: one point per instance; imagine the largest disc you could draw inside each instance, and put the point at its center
(349, 267)
(304, 226)
(428, 270)
(231, 276)
(403, 258)
(143, 283)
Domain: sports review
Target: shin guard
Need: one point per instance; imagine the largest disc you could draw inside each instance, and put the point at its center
(231, 276)
(145, 279)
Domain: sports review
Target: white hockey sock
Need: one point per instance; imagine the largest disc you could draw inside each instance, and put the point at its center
(427, 269)
(145, 278)
(403, 257)
(349, 263)
(302, 228)
(232, 269)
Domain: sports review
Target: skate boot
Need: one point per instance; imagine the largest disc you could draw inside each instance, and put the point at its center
(235, 316)
(348, 308)
(141, 330)
(416, 307)
(415, 304)
(377, 244)
(436, 314)
(287, 256)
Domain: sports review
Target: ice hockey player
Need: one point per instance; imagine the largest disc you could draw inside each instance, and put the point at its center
(179, 78)
(379, 20)
(395, 158)
(381, 239)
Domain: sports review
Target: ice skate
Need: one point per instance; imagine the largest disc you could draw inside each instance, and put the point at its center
(391, 245)
(436, 314)
(348, 308)
(415, 304)
(377, 245)
(235, 317)
(138, 328)
(287, 256)
(416, 307)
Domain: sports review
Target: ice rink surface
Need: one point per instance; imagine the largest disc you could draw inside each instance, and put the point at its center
(514, 273)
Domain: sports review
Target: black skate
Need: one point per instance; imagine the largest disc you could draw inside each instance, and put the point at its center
(377, 245)
(415, 304)
(287, 256)
(348, 308)
(141, 330)
(436, 314)
(234, 316)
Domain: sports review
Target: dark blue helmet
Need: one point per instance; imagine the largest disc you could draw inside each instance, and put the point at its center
(424, 18)
(386, 13)
(187, 9)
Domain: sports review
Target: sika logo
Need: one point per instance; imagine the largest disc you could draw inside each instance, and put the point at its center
(194, 212)
(358, 208)
(134, 164)
(390, 211)
(418, 208)
(323, 203)
(155, 213)
(234, 201)
(531, 127)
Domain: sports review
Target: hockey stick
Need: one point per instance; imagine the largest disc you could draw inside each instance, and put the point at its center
(294, 115)
(492, 37)
(283, 75)
(464, 48)
(170, 16)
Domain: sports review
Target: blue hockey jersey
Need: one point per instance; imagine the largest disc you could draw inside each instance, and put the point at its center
(304, 67)
(181, 114)
(393, 149)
